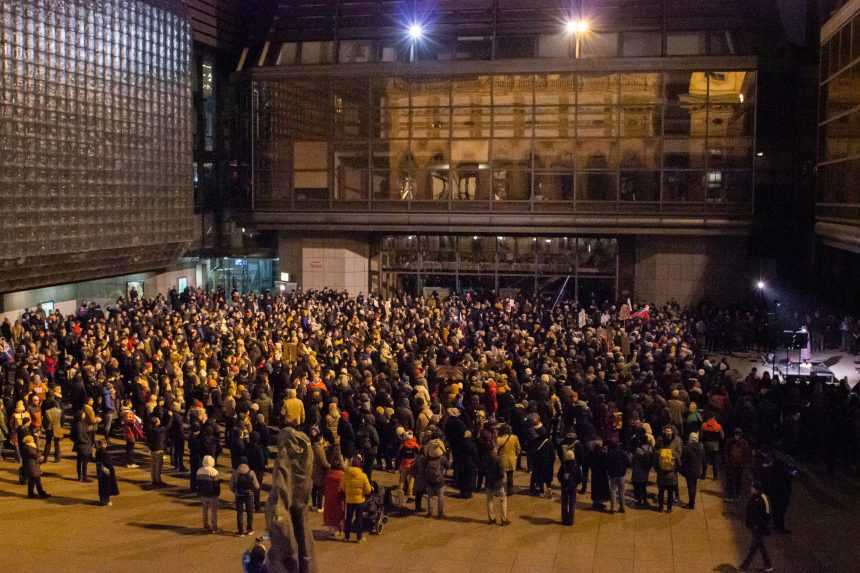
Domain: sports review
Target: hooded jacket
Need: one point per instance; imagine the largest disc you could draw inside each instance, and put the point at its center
(208, 478)
(355, 485)
(235, 486)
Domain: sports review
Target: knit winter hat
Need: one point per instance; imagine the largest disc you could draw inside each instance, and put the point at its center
(694, 438)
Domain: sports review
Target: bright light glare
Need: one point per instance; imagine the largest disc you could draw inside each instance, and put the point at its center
(416, 31)
(576, 26)
(760, 285)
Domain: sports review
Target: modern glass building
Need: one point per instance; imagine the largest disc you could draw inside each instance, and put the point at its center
(837, 207)
(94, 138)
(491, 144)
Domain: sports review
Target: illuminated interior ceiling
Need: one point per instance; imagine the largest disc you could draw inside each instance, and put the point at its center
(724, 86)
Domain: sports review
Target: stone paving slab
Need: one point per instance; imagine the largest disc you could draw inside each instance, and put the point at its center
(150, 530)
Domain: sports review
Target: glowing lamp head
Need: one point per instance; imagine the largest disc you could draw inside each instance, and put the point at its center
(576, 26)
(760, 285)
(415, 31)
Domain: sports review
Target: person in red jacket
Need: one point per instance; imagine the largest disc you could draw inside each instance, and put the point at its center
(406, 456)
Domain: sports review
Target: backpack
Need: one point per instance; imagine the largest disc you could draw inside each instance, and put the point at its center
(244, 484)
(362, 440)
(209, 487)
(666, 460)
(434, 473)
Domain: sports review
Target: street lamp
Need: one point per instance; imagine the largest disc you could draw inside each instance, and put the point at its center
(415, 32)
(576, 28)
(760, 285)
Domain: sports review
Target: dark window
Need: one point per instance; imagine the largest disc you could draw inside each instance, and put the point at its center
(515, 48)
(641, 44)
(474, 48)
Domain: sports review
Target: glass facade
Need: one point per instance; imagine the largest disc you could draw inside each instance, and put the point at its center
(95, 137)
(595, 142)
(242, 274)
(597, 43)
(839, 124)
(571, 267)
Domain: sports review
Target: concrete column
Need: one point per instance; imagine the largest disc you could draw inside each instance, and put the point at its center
(339, 262)
(690, 269)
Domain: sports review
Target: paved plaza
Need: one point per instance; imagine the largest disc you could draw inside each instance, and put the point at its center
(159, 530)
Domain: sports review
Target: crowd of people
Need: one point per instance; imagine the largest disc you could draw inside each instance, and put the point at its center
(479, 388)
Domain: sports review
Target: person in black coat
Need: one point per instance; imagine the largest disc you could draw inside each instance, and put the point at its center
(195, 452)
(257, 460)
(599, 475)
(157, 442)
(83, 447)
(466, 466)
(106, 474)
(776, 477)
(176, 433)
(347, 437)
(757, 520)
(569, 475)
(692, 461)
(541, 458)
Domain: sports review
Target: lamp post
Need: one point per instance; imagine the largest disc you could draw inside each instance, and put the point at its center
(415, 32)
(576, 29)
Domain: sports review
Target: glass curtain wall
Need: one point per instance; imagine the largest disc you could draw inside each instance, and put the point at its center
(547, 142)
(839, 125)
(583, 268)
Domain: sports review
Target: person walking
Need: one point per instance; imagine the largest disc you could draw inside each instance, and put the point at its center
(617, 462)
(244, 485)
(692, 460)
(355, 487)
(106, 474)
(758, 515)
(208, 485)
(569, 476)
(32, 468)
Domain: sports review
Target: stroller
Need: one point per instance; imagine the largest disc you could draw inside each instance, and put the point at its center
(373, 512)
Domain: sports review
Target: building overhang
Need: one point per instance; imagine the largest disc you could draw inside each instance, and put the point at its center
(502, 223)
(485, 67)
(845, 236)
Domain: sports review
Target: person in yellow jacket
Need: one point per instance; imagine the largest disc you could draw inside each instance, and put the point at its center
(293, 412)
(509, 450)
(356, 487)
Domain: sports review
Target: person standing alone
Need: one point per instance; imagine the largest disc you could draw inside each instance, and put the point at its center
(244, 485)
(758, 521)
(208, 484)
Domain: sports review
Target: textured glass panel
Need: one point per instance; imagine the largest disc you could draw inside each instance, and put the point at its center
(96, 114)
